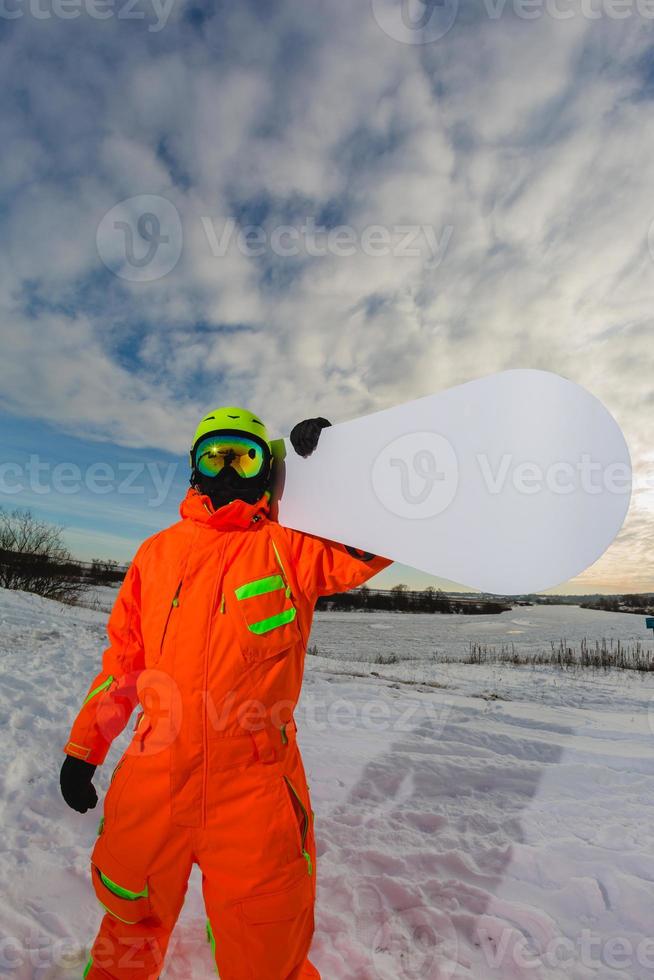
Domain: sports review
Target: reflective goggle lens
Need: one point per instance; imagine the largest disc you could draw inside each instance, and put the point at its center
(244, 455)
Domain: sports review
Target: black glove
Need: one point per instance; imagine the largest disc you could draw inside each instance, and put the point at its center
(305, 435)
(76, 786)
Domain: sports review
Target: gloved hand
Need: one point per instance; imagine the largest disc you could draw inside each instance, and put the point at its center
(305, 435)
(76, 786)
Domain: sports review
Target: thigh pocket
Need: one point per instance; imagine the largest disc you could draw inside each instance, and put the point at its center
(278, 906)
(124, 894)
(276, 928)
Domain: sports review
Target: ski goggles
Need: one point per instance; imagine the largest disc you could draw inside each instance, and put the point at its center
(246, 456)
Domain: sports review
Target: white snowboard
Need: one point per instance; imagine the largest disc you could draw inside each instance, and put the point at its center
(510, 484)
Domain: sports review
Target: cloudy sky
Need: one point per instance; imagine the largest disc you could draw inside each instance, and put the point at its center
(169, 175)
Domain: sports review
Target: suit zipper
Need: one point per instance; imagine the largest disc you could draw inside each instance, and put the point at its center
(289, 594)
(205, 732)
(173, 605)
(113, 775)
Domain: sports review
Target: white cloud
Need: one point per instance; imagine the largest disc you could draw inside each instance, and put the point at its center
(525, 137)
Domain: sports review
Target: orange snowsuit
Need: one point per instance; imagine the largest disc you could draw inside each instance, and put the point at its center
(208, 634)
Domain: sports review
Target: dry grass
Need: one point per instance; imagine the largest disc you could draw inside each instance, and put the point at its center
(595, 655)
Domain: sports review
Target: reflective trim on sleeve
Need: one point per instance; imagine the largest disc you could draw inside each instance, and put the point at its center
(78, 751)
(99, 689)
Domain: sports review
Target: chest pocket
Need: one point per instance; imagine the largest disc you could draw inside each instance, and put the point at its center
(267, 614)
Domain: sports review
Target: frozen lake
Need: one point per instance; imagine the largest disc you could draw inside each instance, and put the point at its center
(368, 637)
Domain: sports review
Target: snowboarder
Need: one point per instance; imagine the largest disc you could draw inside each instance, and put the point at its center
(208, 635)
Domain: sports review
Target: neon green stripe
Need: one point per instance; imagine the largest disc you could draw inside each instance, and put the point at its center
(87, 968)
(212, 939)
(99, 689)
(112, 913)
(265, 625)
(260, 587)
(122, 892)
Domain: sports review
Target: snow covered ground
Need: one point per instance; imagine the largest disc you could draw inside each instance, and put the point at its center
(472, 822)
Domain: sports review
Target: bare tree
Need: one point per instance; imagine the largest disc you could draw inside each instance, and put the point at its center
(33, 558)
(401, 598)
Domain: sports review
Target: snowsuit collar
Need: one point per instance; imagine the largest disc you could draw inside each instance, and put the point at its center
(235, 516)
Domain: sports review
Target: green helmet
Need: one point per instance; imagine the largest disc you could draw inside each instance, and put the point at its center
(231, 456)
(230, 419)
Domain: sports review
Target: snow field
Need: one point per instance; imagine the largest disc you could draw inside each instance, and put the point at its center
(472, 822)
